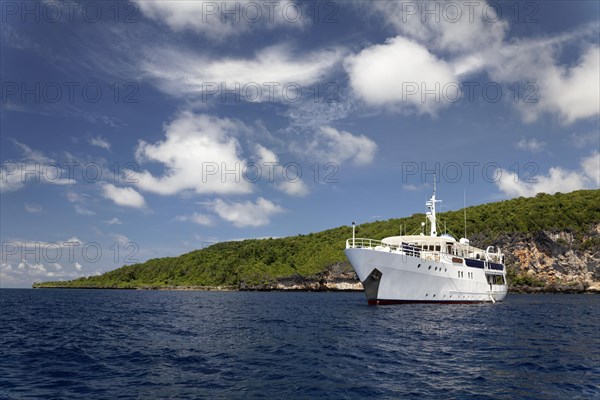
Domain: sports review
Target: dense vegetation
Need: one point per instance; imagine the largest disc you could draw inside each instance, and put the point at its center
(262, 261)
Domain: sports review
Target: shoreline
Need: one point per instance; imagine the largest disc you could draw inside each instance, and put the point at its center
(514, 290)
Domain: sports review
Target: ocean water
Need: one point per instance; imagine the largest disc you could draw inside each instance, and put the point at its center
(104, 344)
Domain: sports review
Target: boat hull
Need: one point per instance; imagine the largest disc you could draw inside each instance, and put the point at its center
(392, 278)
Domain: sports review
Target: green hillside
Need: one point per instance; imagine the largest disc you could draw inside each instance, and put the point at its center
(255, 262)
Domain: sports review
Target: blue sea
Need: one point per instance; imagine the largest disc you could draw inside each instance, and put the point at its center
(105, 344)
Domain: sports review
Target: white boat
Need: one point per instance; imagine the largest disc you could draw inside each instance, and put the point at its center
(427, 269)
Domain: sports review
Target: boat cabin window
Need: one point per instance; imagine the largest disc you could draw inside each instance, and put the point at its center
(437, 248)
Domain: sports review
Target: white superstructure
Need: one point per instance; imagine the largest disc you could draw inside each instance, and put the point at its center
(419, 268)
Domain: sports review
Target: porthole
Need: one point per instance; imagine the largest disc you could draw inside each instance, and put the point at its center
(429, 267)
(426, 294)
(436, 268)
(434, 295)
(419, 266)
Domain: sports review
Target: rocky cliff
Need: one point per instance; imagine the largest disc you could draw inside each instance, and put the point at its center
(555, 261)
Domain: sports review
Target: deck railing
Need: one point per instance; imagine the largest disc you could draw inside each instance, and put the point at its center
(372, 244)
(415, 251)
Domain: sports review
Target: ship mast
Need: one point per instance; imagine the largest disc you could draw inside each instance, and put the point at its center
(431, 213)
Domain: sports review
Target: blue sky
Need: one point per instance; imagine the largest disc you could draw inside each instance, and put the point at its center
(138, 130)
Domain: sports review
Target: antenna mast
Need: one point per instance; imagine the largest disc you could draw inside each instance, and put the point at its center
(431, 210)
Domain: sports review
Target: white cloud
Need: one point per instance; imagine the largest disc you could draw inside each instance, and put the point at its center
(10, 178)
(573, 92)
(413, 188)
(32, 155)
(296, 188)
(265, 155)
(444, 26)
(200, 219)
(79, 209)
(78, 266)
(34, 166)
(591, 167)
(114, 221)
(273, 74)
(126, 196)
(244, 214)
(196, 152)
(33, 208)
(533, 145)
(582, 140)
(473, 44)
(400, 73)
(332, 145)
(206, 16)
(557, 180)
(23, 272)
(79, 201)
(99, 141)
(121, 239)
(290, 185)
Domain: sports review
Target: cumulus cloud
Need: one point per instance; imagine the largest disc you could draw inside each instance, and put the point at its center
(99, 141)
(332, 145)
(288, 184)
(591, 167)
(265, 155)
(444, 26)
(247, 214)
(123, 196)
(114, 221)
(400, 72)
(455, 47)
(196, 152)
(573, 92)
(557, 180)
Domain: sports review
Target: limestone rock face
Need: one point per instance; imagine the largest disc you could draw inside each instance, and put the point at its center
(561, 260)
